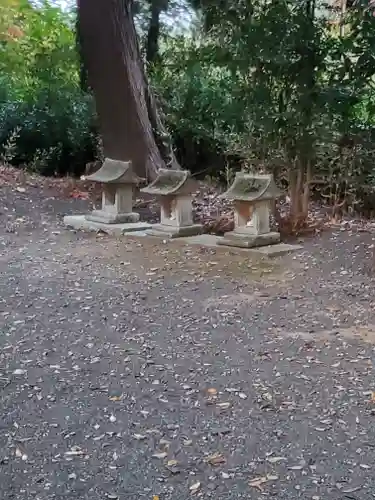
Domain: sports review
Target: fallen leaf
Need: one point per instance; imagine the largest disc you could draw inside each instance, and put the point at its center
(352, 490)
(79, 195)
(258, 481)
(212, 391)
(275, 460)
(194, 488)
(172, 463)
(216, 459)
(373, 397)
(225, 405)
(162, 454)
(19, 371)
(115, 398)
(155, 497)
(164, 443)
(21, 455)
(139, 437)
(74, 453)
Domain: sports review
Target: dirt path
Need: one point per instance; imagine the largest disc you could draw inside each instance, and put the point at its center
(132, 370)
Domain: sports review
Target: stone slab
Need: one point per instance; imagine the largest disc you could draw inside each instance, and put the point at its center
(163, 231)
(136, 234)
(244, 240)
(210, 240)
(103, 217)
(80, 223)
(276, 250)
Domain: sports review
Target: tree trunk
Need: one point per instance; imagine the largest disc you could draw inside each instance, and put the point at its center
(152, 46)
(124, 102)
(83, 77)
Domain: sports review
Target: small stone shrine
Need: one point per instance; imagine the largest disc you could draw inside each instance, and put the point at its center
(118, 181)
(174, 189)
(116, 215)
(253, 196)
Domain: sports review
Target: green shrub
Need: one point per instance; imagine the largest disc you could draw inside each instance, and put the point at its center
(200, 105)
(40, 95)
(60, 125)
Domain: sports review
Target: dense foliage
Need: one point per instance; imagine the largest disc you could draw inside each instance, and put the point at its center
(46, 121)
(273, 85)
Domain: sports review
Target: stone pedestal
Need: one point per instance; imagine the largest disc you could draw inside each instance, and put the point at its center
(81, 223)
(173, 187)
(244, 239)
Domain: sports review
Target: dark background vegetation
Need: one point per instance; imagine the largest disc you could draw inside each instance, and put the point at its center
(281, 86)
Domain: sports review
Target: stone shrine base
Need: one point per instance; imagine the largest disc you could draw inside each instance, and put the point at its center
(213, 241)
(163, 231)
(142, 230)
(79, 222)
(104, 217)
(243, 240)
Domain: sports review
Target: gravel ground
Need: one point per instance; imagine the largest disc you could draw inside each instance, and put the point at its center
(130, 370)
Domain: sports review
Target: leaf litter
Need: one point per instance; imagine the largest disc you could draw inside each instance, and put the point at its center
(259, 482)
(300, 351)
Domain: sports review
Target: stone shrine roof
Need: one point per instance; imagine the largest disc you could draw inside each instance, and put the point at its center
(252, 187)
(115, 172)
(170, 182)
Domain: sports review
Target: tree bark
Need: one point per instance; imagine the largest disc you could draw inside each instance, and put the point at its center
(152, 45)
(124, 101)
(83, 77)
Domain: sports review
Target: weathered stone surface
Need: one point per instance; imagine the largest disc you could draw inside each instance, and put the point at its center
(252, 187)
(80, 222)
(244, 240)
(111, 216)
(118, 181)
(163, 231)
(253, 196)
(115, 172)
(170, 182)
(174, 188)
(276, 250)
(211, 240)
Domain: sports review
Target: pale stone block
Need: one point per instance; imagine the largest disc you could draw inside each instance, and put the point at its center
(81, 223)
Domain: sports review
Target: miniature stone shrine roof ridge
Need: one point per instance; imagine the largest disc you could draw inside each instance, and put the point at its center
(170, 182)
(252, 187)
(115, 172)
